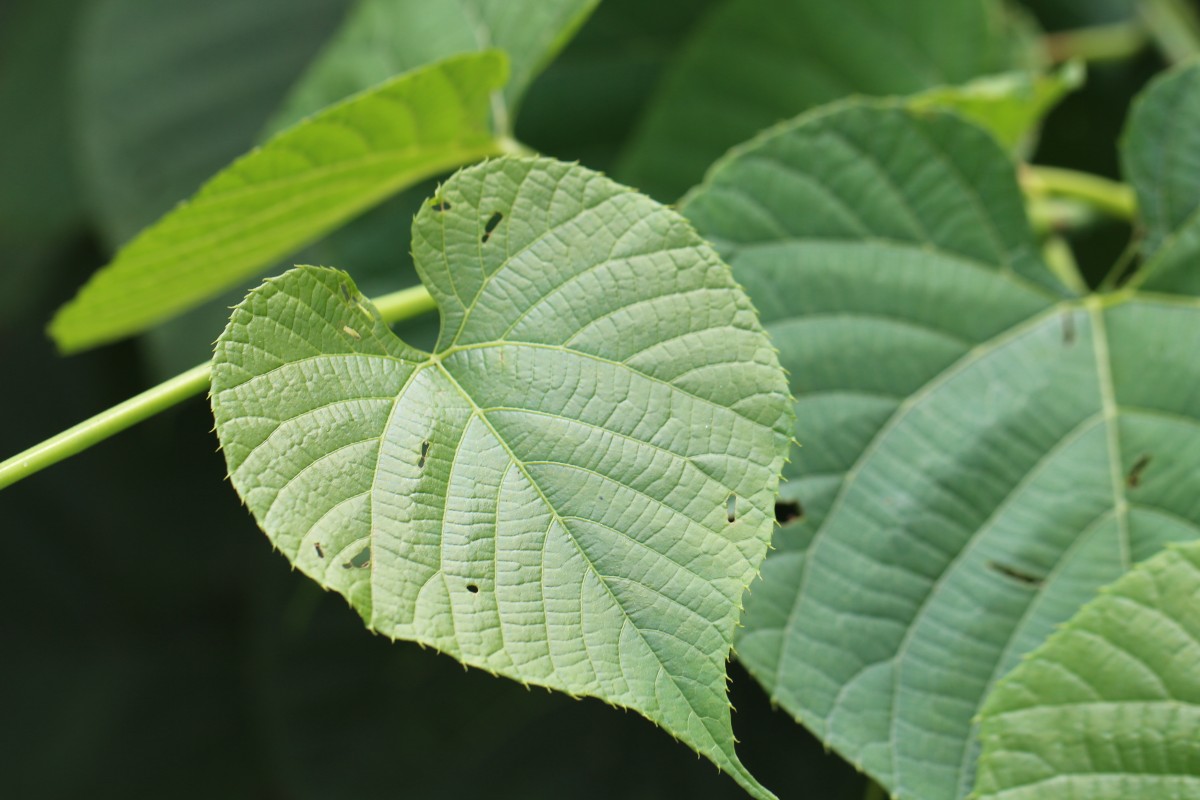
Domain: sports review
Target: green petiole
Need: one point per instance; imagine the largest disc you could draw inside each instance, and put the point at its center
(394, 307)
(1106, 196)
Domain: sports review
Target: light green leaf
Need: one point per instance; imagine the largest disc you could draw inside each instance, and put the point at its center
(573, 490)
(1161, 155)
(382, 38)
(1109, 707)
(168, 93)
(1011, 105)
(981, 450)
(752, 63)
(293, 189)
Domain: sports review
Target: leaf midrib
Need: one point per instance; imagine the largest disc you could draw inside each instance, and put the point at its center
(1108, 404)
(1094, 305)
(556, 517)
(435, 361)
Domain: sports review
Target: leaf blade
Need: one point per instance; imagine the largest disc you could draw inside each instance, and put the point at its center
(1106, 707)
(972, 429)
(169, 94)
(297, 186)
(1011, 104)
(751, 63)
(382, 38)
(1157, 154)
(533, 499)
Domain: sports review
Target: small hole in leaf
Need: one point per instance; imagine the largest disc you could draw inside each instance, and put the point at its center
(424, 454)
(1015, 574)
(347, 295)
(360, 561)
(788, 511)
(320, 552)
(440, 204)
(1068, 328)
(472, 588)
(731, 508)
(492, 222)
(1134, 479)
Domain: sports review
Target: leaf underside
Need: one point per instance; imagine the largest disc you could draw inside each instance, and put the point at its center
(296, 187)
(1109, 707)
(981, 450)
(573, 490)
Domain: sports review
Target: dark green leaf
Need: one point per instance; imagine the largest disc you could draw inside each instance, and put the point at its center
(980, 450)
(752, 63)
(382, 38)
(168, 93)
(39, 195)
(1161, 155)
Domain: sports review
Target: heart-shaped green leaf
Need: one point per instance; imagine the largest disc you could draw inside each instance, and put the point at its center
(982, 451)
(576, 486)
(1109, 707)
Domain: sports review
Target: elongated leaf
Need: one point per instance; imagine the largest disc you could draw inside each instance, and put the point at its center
(573, 490)
(382, 38)
(1109, 707)
(1161, 155)
(283, 195)
(752, 63)
(982, 451)
(166, 94)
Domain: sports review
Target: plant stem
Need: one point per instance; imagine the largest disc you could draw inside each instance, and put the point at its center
(511, 147)
(393, 307)
(105, 424)
(1056, 215)
(1100, 43)
(404, 304)
(1108, 196)
(1174, 25)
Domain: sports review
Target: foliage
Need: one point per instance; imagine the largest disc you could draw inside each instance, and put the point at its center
(995, 451)
(970, 573)
(1107, 707)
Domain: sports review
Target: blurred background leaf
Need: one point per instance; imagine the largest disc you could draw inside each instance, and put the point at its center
(168, 93)
(752, 63)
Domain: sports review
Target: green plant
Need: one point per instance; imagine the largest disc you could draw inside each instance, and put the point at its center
(576, 486)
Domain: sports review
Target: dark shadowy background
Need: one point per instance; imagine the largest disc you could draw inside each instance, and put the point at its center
(151, 643)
